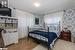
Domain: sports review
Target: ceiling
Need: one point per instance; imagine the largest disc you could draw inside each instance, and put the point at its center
(46, 6)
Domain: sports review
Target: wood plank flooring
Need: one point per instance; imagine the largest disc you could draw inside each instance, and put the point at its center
(23, 44)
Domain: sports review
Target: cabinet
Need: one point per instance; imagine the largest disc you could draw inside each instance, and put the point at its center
(10, 38)
(10, 35)
(66, 35)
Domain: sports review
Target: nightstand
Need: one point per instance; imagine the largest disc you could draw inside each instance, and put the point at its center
(65, 35)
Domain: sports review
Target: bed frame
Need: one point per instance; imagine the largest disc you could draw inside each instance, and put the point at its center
(43, 42)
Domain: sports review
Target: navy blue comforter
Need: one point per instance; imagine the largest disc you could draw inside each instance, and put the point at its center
(50, 35)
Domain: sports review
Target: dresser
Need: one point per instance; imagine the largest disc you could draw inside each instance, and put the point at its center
(9, 34)
(66, 35)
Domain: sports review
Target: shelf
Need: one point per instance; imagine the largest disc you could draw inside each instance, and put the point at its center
(9, 22)
(8, 17)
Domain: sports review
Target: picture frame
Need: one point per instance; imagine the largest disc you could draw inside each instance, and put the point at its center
(36, 21)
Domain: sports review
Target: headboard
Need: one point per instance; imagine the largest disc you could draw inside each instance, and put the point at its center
(36, 28)
(54, 27)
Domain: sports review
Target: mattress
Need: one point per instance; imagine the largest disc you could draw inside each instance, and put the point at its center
(39, 37)
(48, 37)
(43, 38)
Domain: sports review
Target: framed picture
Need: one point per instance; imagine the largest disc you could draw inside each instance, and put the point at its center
(4, 3)
(37, 21)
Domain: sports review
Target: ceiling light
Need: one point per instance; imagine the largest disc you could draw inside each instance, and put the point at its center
(36, 4)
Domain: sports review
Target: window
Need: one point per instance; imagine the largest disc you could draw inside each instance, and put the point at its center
(37, 21)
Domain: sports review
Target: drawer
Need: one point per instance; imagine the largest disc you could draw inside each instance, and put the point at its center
(67, 35)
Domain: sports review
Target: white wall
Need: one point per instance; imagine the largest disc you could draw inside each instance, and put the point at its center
(66, 18)
(54, 18)
(24, 19)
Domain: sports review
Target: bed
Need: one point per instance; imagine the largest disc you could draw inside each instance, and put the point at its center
(48, 35)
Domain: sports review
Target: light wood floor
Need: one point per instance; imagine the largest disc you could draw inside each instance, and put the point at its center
(59, 45)
(64, 45)
(23, 44)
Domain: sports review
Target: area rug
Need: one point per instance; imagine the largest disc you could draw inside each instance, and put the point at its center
(59, 45)
(40, 47)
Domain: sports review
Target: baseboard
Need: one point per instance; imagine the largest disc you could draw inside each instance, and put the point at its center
(23, 38)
